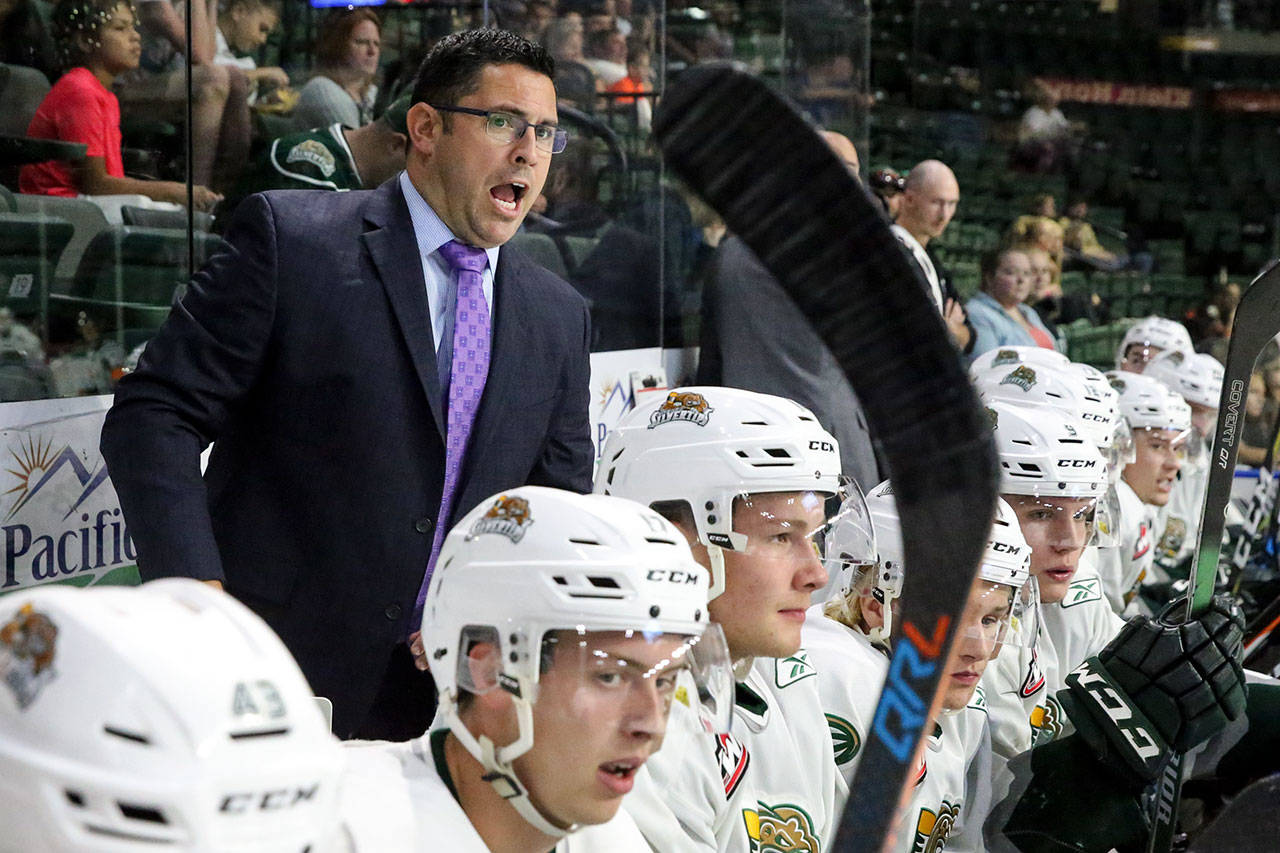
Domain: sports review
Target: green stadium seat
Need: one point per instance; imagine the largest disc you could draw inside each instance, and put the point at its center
(30, 245)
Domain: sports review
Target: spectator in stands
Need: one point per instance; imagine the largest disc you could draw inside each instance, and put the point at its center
(930, 195)
(887, 186)
(575, 82)
(1259, 423)
(1039, 231)
(999, 312)
(1044, 135)
(538, 14)
(26, 37)
(100, 42)
(606, 55)
(1053, 305)
(343, 89)
(330, 158)
(157, 89)
(639, 79)
(1209, 323)
(244, 27)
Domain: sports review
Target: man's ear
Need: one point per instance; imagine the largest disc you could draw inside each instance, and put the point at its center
(423, 123)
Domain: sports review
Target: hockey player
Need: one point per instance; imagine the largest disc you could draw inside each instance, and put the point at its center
(560, 628)
(1198, 378)
(1149, 337)
(166, 716)
(951, 795)
(745, 477)
(1161, 424)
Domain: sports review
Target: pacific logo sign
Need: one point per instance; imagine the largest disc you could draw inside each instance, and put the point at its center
(61, 523)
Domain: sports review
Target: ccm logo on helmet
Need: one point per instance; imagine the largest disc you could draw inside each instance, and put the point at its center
(1077, 463)
(267, 801)
(1004, 548)
(822, 445)
(671, 576)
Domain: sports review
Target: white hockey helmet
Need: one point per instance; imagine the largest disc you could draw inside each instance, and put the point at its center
(886, 573)
(706, 447)
(1196, 376)
(1147, 403)
(1057, 387)
(1154, 335)
(1007, 561)
(1045, 454)
(161, 716)
(564, 563)
(1011, 357)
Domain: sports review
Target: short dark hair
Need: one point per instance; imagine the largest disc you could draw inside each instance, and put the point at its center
(990, 261)
(73, 20)
(451, 70)
(335, 32)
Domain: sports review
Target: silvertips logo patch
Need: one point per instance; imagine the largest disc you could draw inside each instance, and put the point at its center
(682, 406)
(28, 643)
(509, 517)
(1024, 377)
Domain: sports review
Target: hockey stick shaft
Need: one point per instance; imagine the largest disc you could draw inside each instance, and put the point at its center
(1256, 320)
(778, 186)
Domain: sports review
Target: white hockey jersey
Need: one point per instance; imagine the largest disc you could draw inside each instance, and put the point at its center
(1178, 522)
(1124, 568)
(397, 798)
(955, 774)
(770, 785)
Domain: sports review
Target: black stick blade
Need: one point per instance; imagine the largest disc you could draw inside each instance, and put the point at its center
(778, 186)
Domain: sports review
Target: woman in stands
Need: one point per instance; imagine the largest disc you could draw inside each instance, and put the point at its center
(343, 90)
(999, 313)
(99, 41)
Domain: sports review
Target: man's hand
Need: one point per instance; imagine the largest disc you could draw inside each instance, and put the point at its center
(418, 652)
(954, 316)
(273, 76)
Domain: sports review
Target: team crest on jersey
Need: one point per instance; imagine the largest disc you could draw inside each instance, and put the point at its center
(1046, 721)
(1143, 545)
(1005, 356)
(682, 406)
(509, 517)
(28, 643)
(1081, 591)
(1175, 533)
(787, 829)
(978, 701)
(787, 671)
(1034, 682)
(844, 738)
(732, 757)
(313, 152)
(932, 829)
(1024, 377)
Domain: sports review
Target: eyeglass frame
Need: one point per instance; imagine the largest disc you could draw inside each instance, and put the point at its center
(520, 126)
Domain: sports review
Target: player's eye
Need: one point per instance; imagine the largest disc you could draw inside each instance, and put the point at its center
(608, 679)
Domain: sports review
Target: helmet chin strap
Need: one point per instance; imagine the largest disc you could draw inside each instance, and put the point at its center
(497, 764)
(715, 554)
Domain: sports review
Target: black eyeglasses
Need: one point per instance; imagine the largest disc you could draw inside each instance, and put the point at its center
(507, 127)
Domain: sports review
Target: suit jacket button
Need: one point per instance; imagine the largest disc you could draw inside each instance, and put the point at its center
(392, 612)
(422, 525)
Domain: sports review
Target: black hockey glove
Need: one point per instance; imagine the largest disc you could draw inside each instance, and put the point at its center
(1160, 686)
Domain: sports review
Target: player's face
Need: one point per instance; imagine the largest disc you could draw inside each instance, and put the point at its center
(1056, 529)
(977, 640)
(1159, 456)
(1137, 356)
(121, 46)
(596, 721)
(481, 188)
(767, 587)
(1203, 418)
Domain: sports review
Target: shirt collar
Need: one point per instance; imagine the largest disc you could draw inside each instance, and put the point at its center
(428, 227)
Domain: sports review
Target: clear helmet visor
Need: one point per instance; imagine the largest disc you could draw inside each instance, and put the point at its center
(1070, 523)
(998, 615)
(1121, 452)
(795, 527)
(846, 545)
(1106, 519)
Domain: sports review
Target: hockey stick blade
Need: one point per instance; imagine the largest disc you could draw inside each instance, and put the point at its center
(778, 186)
(1257, 320)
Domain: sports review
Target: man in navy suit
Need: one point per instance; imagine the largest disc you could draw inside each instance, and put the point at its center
(317, 348)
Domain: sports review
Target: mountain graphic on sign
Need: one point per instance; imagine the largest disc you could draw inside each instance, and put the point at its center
(37, 463)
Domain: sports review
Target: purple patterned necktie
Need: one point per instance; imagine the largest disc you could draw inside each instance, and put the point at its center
(466, 383)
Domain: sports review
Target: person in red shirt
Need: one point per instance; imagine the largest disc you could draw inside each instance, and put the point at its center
(100, 40)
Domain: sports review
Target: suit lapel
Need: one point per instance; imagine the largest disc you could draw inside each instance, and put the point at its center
(393, 249)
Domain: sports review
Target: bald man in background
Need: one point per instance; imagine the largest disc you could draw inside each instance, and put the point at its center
(754, 337)
(928, 202)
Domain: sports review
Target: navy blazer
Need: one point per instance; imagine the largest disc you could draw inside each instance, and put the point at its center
(304, 347)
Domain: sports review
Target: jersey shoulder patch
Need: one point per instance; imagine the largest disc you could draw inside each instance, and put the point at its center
(844, 738)
(787, 671)
(1083, 590)
(732, 757)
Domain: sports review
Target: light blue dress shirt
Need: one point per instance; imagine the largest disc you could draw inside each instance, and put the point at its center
(442, 296)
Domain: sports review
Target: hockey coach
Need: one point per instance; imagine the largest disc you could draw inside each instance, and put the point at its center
(370, 365)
